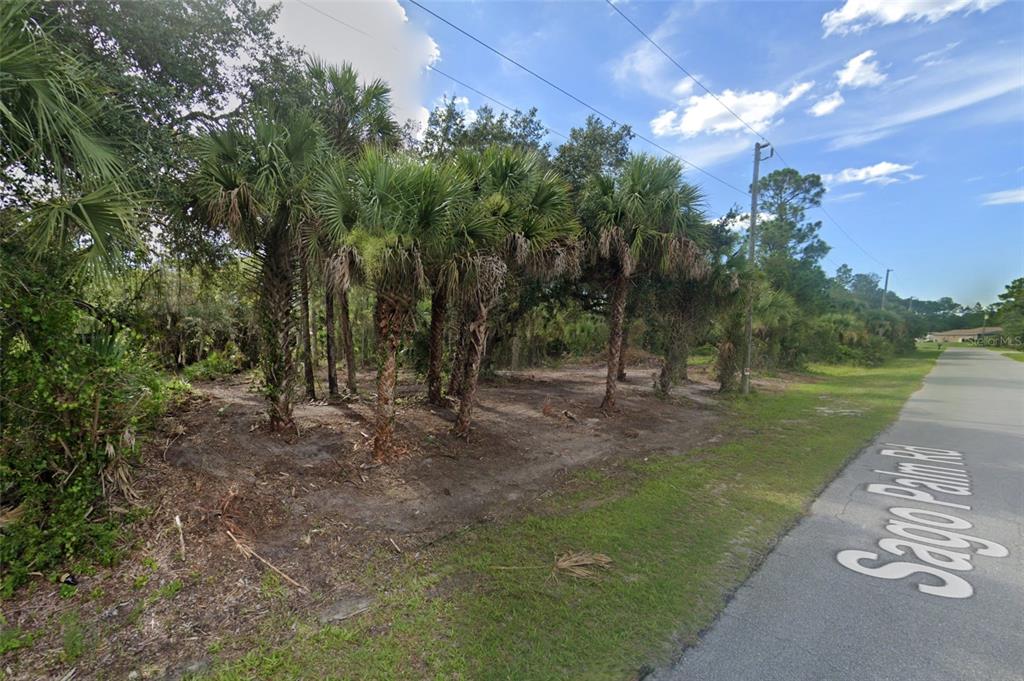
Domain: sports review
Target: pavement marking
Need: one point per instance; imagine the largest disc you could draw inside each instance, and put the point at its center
(930, 535)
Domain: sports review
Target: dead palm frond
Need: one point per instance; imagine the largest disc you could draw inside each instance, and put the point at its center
(581, 564)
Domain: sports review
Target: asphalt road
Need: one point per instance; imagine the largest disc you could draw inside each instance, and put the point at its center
(805, 616)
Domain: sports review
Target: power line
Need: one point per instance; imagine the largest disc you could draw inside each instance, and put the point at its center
(432, 67)
(570, 95)
(681, 68)
(736, 116)
(599, 113)
(849, 236)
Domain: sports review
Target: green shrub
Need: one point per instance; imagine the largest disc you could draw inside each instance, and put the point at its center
(216, 365)
(73, 394)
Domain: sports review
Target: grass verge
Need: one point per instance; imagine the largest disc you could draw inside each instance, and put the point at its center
(1017, 355)
(683, 532)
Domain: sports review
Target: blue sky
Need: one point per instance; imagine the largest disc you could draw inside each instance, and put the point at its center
(912, 112)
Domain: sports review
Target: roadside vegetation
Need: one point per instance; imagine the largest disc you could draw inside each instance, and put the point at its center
(225, 265)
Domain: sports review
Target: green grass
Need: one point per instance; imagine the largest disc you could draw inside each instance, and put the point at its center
(683, 531)
(1017, 355)
(73, 637)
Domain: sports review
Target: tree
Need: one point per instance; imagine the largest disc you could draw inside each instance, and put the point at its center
(595, 149)
(355, 116)
(684, 303)
(446, 128)
(844, 276)
(455, 262)
(253, 178)
(538, 230)
(789, 246)
(65, 187)
(1010, 311)
(448, 131)
(71, 388)
(207, 62)
(403, 208)
(637, 222)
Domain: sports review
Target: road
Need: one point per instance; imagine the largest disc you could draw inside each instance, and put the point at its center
(951, 607)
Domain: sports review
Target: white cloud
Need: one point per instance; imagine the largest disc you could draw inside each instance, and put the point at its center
(664, 123)
(976, 80)
(684, 88)
(883, 173)
(1004, 197)
(857, 15)
(860, 71)
(644, 67)
(936, 57)
(703, 114)
(859, 138)
(398, 52)
(842, 198)
(827, 105)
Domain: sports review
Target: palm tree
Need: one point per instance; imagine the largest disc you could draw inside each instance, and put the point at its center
(403, 209)
(355, 116)
(48, 139)
(684, 304)
(538, 228)
(455, 260)
(252, 178)
(637, 221)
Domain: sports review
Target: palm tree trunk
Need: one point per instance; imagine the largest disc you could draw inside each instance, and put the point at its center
(456, 382)
(438, 312)
(332, 370)
(616, 315)
(684, 360)
(516, 361)
(622, 349)
(670, 363)
(387, 324)
(346, 342)
(307, 345)
(277, 324)
(477, 337)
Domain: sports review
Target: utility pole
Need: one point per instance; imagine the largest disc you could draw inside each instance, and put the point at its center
(751, 241)
(886, 289)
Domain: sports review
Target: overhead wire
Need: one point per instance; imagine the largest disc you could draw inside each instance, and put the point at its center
(739, 118)
(432, 67)
(571, 96)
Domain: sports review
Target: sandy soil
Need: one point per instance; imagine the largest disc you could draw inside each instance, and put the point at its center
(314, 506)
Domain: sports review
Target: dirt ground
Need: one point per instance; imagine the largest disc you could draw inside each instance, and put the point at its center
(318, 514)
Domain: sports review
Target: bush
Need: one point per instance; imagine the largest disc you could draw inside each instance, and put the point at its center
(73, 395)
(216, 365)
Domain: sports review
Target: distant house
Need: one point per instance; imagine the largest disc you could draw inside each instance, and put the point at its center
(961, 335)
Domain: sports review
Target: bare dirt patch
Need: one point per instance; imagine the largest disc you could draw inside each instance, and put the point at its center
(313, 505)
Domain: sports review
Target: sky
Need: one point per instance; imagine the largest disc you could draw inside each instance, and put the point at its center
(912, 112)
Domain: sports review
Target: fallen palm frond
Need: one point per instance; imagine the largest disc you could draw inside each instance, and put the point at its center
(581, 564)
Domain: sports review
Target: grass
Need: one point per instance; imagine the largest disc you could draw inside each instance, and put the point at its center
(682, 533)
(1017, 355)
(73, 637)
